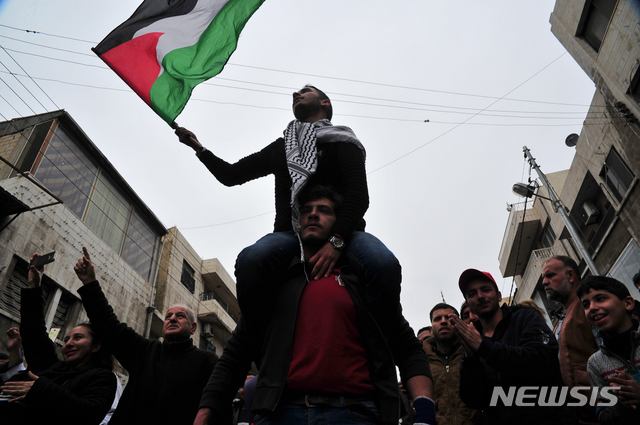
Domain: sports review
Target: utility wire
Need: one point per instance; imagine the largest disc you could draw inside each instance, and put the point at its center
(9, 103)
(47, 34)
(478, 111)
(34, 81)
(262, 68)
(280, 86)
(412, 151)
(23, 86)
(17, 95)
(430, 121)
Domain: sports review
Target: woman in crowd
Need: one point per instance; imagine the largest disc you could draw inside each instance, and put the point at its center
(77, 390)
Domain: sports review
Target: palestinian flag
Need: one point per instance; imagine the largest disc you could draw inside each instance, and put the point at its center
(167, 47)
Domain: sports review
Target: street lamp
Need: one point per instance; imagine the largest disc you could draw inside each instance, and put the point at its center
(528, 191)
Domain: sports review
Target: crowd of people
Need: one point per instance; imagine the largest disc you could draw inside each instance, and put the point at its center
(323, 326)
(594, 344)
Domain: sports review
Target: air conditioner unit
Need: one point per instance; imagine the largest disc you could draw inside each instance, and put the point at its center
(591, 213)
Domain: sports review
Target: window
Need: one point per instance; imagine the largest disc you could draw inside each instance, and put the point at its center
(626, 266)
(616, 175)
(594, 21)
(548, 236)
(10, 293)
(108, 213)
(187, 278)
(67, 172)
(139, 245)
(10, 297)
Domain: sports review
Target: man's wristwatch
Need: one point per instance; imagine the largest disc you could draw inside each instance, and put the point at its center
(337, 242)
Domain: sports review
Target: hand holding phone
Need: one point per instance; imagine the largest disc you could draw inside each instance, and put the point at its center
(39, 261)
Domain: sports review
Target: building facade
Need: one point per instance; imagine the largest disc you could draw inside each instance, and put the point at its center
(58, 192)
(600, 189)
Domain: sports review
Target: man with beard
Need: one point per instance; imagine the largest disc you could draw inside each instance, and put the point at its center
(446, 353)
(561, 279)
(313, 151)
(510, 347)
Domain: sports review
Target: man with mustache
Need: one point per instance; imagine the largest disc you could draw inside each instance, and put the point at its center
(446, 353)
(561, 279)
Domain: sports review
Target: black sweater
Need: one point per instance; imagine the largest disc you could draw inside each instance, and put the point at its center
(63, 393)
(340, 165)
(165, 379)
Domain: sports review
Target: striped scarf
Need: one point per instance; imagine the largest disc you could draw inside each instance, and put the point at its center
(301, 151)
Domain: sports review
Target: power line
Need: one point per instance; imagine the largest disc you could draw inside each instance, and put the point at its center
(47, 34)
(422, 121)
(279, 86)
(478, 110)
(353, 80)
(17, 95)
(412, 151)
(48, 47)
(401, 101)
(32, 80)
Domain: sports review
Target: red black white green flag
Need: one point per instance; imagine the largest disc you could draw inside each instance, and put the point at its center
(167, 47)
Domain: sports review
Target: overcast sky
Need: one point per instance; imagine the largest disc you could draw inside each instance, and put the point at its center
(489, 76)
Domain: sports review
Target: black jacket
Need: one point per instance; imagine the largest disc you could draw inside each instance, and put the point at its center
(522, 352)
(165, 379)
(386, 335)
(63, 393)
(340, 165)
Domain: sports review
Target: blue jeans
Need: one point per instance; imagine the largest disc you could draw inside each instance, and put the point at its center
(364, 413)
(262, 265)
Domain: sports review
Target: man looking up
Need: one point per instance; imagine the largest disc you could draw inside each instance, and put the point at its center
(561, 279)
(329, 350)
(165, 378)
(509, 346)
(446, 353)
(312, 151)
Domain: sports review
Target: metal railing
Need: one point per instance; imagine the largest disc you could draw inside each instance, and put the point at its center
(212, 296)
(532, 272)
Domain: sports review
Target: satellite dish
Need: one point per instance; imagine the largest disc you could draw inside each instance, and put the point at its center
(571, 140)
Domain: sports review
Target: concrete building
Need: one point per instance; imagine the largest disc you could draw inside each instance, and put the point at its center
(58, 192)
(600, 189)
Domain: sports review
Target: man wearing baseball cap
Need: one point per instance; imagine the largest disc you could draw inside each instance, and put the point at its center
(510, 347)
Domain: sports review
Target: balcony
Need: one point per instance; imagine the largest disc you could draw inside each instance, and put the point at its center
(212, 311)
(519, 236)
(532, 274)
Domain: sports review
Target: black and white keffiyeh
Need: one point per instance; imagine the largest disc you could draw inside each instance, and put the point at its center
(300, 144)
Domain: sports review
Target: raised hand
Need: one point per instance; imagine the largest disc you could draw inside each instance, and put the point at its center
(34, 273)
(84, 268)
